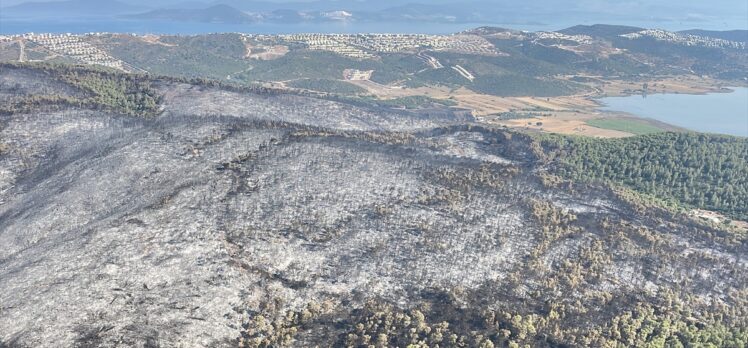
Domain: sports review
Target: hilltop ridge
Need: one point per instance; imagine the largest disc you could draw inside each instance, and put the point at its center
(216, 13)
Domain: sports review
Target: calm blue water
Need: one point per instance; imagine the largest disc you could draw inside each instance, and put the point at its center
(725, 113)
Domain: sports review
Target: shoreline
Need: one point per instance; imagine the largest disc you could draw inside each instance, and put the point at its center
(564, 114)
(573, 117)
(687, 123)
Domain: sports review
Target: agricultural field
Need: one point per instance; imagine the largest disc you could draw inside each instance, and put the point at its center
(632, 126)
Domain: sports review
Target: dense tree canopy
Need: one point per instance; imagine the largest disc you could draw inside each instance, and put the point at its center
(699, 170)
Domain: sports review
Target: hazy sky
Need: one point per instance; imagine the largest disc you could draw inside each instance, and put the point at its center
(725, 6)
(591, 4)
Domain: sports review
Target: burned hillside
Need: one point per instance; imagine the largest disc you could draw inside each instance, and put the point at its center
(236, 218)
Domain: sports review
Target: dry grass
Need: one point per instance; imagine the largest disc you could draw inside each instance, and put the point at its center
(564, 115)
(155, 40)
(686, 84)
(389, 92)
(564, 123)
(483, 105)
(265, 52)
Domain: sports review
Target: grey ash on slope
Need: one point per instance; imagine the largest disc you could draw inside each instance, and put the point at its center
(177, 230)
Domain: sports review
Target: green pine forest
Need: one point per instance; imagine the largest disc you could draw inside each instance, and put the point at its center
(695, 170)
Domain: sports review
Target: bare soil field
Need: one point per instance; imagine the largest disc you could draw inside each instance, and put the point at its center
(686, 84)
(563, 123)
(483, 104)
(389, 92)
(564, 115)
(265, 52)
(155, 40)
(480, 104)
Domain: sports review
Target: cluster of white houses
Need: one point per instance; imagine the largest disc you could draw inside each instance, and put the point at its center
(366, 46)
(685, 39)
(73, 46)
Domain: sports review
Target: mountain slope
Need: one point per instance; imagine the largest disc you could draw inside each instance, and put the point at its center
(600, 30)
(256, 218)
(730, 35)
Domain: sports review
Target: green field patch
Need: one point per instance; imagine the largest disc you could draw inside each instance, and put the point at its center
(625, 125)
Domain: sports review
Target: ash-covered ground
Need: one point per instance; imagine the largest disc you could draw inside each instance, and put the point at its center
(179, 230)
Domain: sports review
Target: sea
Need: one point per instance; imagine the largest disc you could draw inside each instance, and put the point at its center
(723, 113)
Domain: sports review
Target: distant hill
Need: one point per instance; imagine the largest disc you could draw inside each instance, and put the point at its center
(213, 14)
(286, 16)
(318, 5)
(454, 12)
(229, 14)
(258, 6)
(487, 30)
(73, 7)
(600, 30)
(420, 11)
(731, 35)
